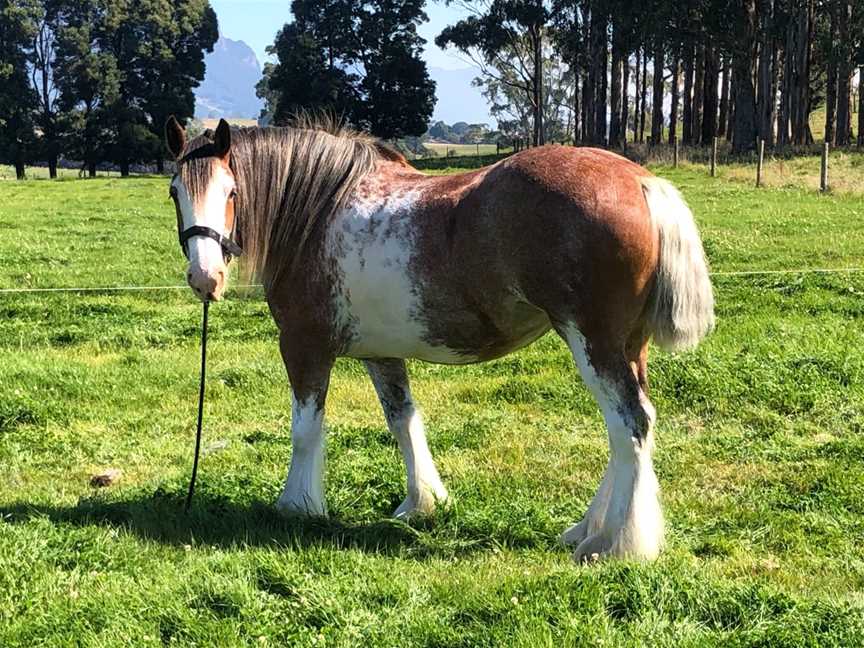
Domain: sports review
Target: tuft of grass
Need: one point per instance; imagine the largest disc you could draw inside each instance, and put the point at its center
(760, 440)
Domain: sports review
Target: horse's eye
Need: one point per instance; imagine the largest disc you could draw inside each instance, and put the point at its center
(233, 194)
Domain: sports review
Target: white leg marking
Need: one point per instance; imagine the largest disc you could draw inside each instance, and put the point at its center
(425, 488)
(625, 518)
(594, 516)
(304, 488)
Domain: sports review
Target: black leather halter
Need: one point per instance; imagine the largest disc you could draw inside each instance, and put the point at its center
(230, 247)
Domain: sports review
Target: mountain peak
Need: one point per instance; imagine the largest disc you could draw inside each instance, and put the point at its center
(228, 89)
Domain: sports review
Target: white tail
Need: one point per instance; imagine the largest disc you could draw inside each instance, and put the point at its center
(681, 308)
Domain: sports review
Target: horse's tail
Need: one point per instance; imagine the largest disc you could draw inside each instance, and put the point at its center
(680, 311)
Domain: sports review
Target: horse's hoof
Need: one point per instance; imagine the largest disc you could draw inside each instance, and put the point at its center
(302, 508)
(592, 549)
(422, 503)
(617, 545)
(574, 535)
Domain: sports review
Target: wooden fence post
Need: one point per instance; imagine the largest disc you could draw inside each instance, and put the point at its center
(714, 158)
(675, 152)
(759, 162)
(823, 176)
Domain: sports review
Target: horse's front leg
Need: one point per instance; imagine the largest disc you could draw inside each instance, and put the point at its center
(425, 489)
(309, 373)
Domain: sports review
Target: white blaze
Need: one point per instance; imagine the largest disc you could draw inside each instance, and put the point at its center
(205, 254)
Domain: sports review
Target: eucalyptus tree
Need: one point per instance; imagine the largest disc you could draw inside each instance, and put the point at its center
(42, 58)
(506, 39)
(18, 100)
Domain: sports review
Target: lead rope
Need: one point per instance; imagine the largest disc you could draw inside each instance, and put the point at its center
(200, 406)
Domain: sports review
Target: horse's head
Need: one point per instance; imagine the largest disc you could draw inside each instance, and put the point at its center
(203, 190)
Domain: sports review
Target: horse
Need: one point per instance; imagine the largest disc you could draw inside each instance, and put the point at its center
(361, 255)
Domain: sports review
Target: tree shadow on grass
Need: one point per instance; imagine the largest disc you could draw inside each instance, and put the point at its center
(219, 521)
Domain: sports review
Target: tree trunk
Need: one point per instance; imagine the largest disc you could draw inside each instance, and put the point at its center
(775, 85)
(744, 135)
(124, 169)
(676, 96)
(52, 167)
(831, 85)
(723, 119)
(587, 100)
(576, 114)
(764, 98)
(709, 104)
(786, 86)
(603, 90)
(587, 80)
(160, 165)
(730, 122)
(698, 94)
(687, 111)
(644, 93)
(861, 106)
(843, 135)
(801, 96)
(625, 98)
(20, 168)
(91, 169)
(657, 106)
(598, 60)
(539, 134)
(615, 130)
(636, 103)
(844, 100)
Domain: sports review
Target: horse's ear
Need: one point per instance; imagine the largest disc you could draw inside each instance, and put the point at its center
(222, 139)
(175, 137)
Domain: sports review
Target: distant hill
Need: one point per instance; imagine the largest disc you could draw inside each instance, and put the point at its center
(228, 89)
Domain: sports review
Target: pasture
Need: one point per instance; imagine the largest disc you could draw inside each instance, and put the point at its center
(760, 444)
(446, 149)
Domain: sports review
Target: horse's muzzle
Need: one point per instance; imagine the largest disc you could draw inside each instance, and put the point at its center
(208, 285)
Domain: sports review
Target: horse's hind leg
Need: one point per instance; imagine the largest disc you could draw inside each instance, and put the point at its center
(624, 519)
(425, 489)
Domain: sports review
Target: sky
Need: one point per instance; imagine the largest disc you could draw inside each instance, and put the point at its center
(256, 22)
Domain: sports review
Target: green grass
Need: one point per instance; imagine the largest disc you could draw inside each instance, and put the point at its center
(443, 149)
(41, 173)
(760, 446)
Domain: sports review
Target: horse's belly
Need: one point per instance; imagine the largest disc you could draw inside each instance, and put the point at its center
(384, 321)
(382, 310)
(382, 324)
(411, 341)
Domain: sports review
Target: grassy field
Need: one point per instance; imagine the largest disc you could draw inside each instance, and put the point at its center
(760, 446)
(442, 149)
(40, 173)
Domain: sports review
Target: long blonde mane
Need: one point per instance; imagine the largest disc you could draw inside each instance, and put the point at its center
(290, 183)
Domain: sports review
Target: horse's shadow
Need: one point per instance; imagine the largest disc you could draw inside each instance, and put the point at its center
(220, 522)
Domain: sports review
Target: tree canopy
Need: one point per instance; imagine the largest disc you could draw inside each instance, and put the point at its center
(358, 59)
(98, 78)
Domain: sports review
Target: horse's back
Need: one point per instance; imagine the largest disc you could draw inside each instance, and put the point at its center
(472, 266)
(564, 228)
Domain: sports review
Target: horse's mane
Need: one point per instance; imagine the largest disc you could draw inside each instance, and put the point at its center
(290, 183)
